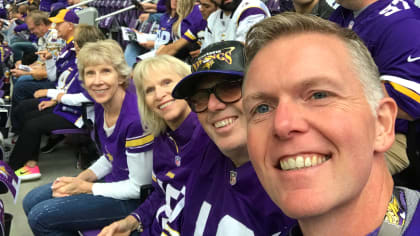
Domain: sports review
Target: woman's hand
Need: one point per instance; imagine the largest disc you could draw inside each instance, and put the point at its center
(66, 186)
(148, 44)
(46, 104)
(17, 73)
(120, 228)
(40, 93)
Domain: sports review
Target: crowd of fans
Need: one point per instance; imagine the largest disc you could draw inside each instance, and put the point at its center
(245, 117)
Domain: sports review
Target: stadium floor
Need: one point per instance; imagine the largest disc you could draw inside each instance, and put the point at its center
(60, 162)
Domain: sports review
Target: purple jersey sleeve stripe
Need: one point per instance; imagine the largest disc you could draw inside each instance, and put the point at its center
(406, 99)
(250, 11)
(139, 141)
(408, 92)
(189, 36)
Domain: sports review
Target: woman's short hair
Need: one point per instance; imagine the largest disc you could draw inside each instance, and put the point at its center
(151, 122)
(84, 33)
(104, 52)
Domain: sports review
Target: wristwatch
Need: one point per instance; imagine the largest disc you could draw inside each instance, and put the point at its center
(140, 227)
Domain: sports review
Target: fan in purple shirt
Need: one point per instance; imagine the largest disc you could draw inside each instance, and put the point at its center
(387, 29)
(110, 188)
(179, 143)
(224, 196)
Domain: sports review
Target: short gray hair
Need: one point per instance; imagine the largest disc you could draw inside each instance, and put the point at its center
(151, 122)
(104, 52)
(286, 24)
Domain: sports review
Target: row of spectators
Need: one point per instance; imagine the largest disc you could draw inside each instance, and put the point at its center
(193, 125)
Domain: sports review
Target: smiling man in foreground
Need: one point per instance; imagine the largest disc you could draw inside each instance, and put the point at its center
(318, 126)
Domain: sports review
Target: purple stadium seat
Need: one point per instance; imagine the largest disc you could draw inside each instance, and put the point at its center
(93, 232)
(70, 131)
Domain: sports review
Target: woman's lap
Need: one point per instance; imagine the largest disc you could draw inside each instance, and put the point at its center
(77, 212)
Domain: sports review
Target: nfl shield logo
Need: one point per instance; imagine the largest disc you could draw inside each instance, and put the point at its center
(177, 161)
(232, 180)
(351, 24)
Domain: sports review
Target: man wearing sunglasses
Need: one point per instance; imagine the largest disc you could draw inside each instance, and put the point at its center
(223, 195)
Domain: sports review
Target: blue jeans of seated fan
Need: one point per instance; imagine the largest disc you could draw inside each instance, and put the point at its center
(20, 48)
(132, 50)
(66, 215)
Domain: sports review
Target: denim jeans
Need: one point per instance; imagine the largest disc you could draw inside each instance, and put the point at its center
(20, 48)
(66, 215)
(23, 78)
(132, 50)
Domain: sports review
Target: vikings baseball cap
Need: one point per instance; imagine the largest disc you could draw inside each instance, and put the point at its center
(223, 58)
(65, 15)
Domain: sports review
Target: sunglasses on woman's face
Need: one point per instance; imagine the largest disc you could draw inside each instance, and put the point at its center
(226, 92)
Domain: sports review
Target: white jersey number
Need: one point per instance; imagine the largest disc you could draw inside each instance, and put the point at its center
(394, 6)
(226, 226)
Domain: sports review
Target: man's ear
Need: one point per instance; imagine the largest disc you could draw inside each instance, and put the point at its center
(386, 114)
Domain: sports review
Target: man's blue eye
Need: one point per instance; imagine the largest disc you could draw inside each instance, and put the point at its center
(319, 95)
(263, 108)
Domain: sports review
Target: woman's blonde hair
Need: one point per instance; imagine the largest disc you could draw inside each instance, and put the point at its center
(151, 122)
(104, 52)
(183, 9)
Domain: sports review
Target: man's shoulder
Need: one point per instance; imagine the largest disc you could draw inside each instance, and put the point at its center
(213, 16)
(387, 13)
(412, 198)
(246, 4)
(383, 13)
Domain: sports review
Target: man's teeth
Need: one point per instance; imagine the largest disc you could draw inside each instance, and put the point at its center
(166, 104)
(299, 162)
(224, 122)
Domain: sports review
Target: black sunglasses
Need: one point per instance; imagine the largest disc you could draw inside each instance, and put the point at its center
(226, 92)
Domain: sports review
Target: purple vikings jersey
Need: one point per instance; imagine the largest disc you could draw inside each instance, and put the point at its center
(127, 137)
(70, 84)
(67, 58)
(402, 216)
(224, 200)
(175, 154)
(389, 29)
(190, 27)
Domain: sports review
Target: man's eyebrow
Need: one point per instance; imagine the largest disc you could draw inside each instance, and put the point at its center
(257, 96)
(319, 80)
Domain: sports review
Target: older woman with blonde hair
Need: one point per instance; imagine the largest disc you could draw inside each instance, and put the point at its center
(51, 109)
(78, 203)
(179, 142)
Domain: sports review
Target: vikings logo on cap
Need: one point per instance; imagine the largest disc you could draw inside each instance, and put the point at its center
(207, 60)
(224, 58)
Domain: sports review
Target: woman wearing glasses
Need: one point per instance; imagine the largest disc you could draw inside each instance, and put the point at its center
(179, 143)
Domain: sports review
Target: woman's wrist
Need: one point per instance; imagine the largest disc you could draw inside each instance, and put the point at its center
(88, 187)
(135, 222)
